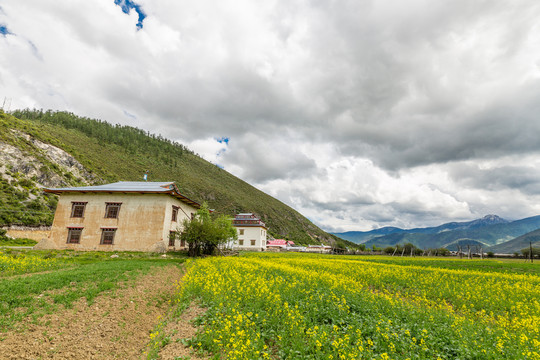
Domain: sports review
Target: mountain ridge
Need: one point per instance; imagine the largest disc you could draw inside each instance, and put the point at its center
(490, 230)
(387, 230)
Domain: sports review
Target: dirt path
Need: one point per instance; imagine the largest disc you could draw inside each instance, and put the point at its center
(181, 329)
(115, 326)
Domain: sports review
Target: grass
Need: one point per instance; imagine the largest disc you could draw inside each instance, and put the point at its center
(17, 242)
(74, 275)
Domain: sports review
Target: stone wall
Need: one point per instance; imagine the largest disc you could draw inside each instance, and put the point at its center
(37, 234)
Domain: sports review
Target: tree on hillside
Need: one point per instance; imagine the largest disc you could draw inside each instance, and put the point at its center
(203, 233)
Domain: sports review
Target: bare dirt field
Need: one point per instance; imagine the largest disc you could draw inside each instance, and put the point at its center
(115, 326)
(181, 329)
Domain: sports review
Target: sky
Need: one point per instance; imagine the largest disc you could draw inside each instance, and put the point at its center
(359, 114)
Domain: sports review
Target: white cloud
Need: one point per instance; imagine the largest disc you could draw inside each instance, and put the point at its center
(211, 149)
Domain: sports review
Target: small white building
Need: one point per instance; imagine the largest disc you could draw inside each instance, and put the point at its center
(251, 232)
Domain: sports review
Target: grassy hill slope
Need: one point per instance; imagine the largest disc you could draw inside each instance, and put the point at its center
(521, 242)
(121, 153)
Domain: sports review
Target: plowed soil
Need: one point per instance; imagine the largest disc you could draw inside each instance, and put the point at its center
(115, 326)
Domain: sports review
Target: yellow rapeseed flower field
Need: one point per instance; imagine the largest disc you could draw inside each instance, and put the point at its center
(293, 306)
(21, 264)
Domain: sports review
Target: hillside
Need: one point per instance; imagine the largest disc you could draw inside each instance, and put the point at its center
(521, 242)
(58, 149)
(360, 237)
(489, 231)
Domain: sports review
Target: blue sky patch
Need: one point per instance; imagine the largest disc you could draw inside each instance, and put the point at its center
(4, 30)
(130, 115)
(127, 5)
(223, 140)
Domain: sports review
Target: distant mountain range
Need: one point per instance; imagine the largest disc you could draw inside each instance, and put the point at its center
(491, 232)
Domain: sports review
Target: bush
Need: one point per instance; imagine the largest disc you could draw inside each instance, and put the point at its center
(203, 234)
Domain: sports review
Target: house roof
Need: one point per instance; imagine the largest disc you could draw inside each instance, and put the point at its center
(279, 242)
(140, 187)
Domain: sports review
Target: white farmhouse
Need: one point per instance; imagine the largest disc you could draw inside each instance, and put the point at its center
(251, 232)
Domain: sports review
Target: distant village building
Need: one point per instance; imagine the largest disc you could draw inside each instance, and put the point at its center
(123, 216)
(279, 244)
(251, 232)
(324, 249)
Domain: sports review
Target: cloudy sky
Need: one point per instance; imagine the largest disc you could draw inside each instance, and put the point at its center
(359, 114)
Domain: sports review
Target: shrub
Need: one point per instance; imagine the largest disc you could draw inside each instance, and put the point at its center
(203, 234)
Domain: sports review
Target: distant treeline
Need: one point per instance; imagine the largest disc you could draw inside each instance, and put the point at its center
(133, 140)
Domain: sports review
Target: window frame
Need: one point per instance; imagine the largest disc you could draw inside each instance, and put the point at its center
(76, 205)
(105, 232)
(240, 231)
(110, 206)
(172, 238)
(241, 242)
(174, 216)
(74, 231)
(253, 242)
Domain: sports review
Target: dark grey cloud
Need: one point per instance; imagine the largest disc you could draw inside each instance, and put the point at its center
(264, 160)
(525, 179)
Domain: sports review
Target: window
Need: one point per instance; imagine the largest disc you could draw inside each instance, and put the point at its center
(241, 231)
(172, 237)
(252, 242)
(182, 243)
(241, 242)
(107, 236)
(74, 235)
(112, 210)
(174, 213)
(77, 209)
